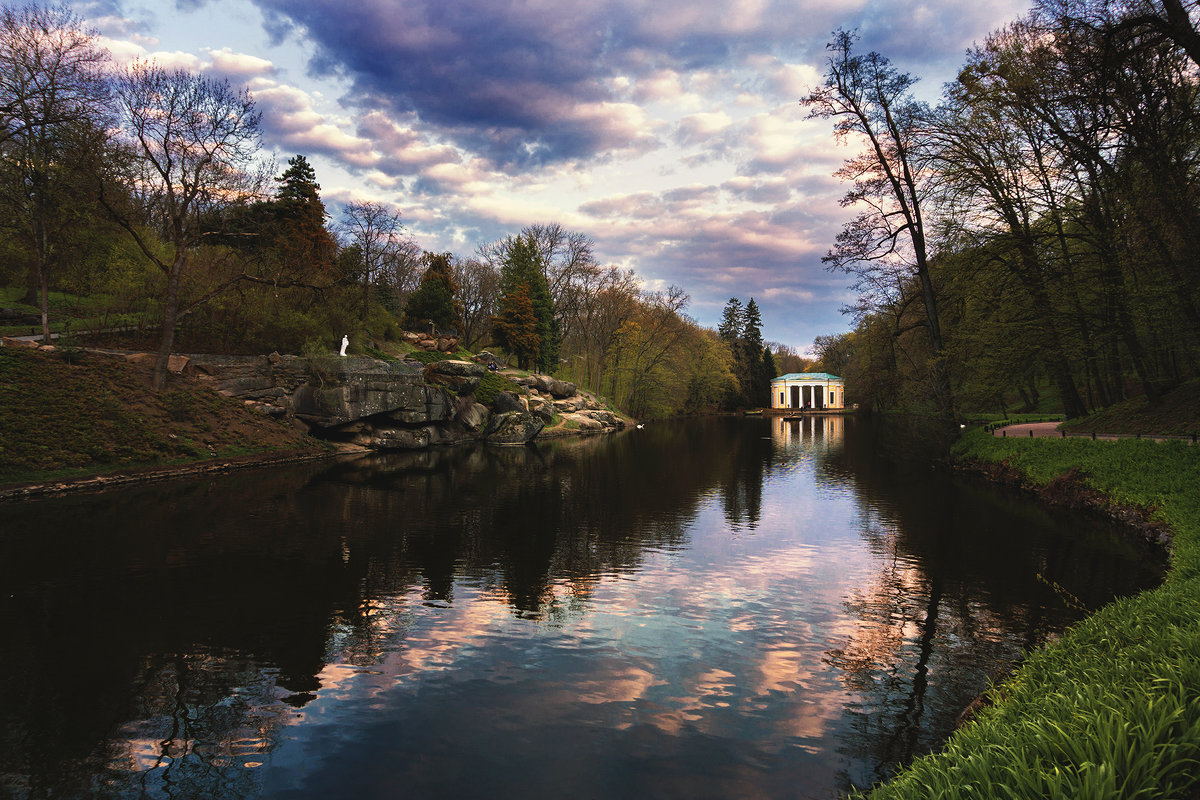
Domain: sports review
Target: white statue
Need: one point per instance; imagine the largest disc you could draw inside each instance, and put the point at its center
(345, 344)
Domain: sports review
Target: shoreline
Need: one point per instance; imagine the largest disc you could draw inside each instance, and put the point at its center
(154, 473)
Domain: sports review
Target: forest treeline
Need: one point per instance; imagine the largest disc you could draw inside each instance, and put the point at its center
(1031, 239)
(145, 193)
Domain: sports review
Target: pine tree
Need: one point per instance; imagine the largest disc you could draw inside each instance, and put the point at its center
(752, 327)
(732, 321)
(758, 384)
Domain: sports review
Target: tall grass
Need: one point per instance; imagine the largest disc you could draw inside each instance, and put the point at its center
(1112, 710)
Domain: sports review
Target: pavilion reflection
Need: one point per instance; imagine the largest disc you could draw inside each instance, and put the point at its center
(825, 431)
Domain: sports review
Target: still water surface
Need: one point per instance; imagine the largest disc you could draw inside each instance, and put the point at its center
(727, 609)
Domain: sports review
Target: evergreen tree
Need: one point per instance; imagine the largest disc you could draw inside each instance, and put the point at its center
(752, 327)
(767, 374)
(300, 235)
(516, 327)
(524, 266)
(434, 300)
(755, 355)
(732, 321)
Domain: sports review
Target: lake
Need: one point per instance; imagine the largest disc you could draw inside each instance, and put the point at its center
(728, 608)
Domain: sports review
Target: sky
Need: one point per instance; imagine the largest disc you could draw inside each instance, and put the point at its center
(668, 131)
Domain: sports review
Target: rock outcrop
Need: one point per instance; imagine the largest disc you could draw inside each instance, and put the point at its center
(400, 405)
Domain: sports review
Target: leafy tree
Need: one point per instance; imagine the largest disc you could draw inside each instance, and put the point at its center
(834, 352)
(886, 246)
(434, 300)
(569, 265)
(648, 347)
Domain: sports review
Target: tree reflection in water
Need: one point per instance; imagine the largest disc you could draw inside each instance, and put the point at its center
(163, 641)
(948, 611)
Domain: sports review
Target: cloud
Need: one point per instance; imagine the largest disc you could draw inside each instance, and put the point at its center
(238, 66)
(537, 82)
(698, 127)
(292, 123)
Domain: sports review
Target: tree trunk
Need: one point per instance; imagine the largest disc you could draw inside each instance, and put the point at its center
(44, 288)
(170, 315)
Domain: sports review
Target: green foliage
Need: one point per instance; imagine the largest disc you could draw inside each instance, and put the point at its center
(1177, 413)
(753, 366)
(429, 356)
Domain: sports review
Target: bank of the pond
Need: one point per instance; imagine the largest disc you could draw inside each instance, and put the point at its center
(1112, 710)
(92, 421)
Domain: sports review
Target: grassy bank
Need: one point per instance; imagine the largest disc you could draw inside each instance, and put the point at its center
(98, 415)
(1112, 710)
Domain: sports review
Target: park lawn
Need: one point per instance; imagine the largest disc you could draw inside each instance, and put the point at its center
(1112, 710)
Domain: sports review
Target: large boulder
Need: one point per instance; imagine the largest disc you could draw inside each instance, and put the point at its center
(507, 401)
(554, 387)
(425, 404)
(513, 427)
(353, 388)
(570, 405)
(605, 418)
(542, 409)
(461, 376)
(582, 422)
(474, 417)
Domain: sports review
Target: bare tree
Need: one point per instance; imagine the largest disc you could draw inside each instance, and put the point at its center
(52, 94)
(193, 143)
(478, 288)
(401, 269)
(378, 234)
(886, 245)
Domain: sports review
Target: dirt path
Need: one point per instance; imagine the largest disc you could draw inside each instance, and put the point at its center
(1030, 430)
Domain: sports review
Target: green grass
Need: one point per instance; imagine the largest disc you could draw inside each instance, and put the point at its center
(491, 385)
(375, 352)
(429, 356)
(1112, 710)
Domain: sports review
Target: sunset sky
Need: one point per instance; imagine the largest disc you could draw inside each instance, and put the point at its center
(669, 131)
